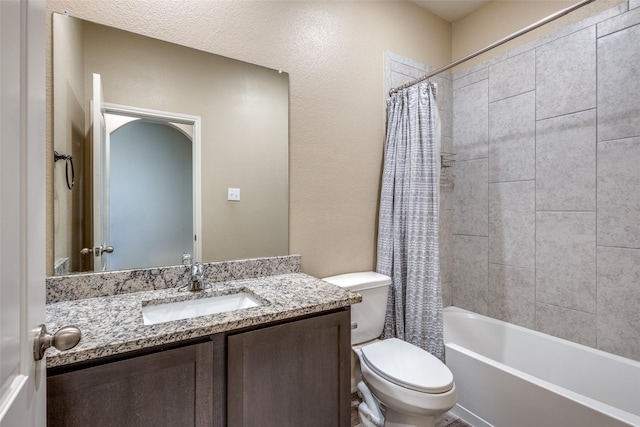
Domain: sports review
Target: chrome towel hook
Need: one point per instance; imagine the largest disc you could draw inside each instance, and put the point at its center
(68, 160)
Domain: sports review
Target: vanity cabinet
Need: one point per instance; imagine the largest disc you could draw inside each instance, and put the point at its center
(290, 374)
(167, 388)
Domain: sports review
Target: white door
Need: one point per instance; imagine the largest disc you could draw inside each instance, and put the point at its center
(22, 211)
(100, 179)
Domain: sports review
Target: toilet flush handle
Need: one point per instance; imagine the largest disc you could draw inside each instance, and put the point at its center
(354, 325)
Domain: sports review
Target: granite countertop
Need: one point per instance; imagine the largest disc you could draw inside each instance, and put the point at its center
(114, 324)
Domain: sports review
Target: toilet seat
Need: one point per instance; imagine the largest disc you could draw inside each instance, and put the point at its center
(408, 366)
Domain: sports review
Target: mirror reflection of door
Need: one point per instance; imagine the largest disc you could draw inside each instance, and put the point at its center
(146, 189)
(150, 194)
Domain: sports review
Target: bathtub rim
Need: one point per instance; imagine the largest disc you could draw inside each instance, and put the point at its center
(618, 414)
(467, 313)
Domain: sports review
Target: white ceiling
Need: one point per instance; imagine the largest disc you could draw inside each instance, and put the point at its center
(451, 10)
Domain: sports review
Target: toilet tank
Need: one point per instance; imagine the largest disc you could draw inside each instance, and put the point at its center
(367, 316)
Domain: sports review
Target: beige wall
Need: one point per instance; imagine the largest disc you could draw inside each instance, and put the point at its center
(334, 54)
(499, 19)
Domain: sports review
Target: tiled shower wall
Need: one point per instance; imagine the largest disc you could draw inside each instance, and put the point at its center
(546, 202)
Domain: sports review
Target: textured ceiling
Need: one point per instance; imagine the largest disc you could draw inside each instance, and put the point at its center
(451, 10)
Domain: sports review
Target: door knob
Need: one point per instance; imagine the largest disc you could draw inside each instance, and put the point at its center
(65, 338)
(98, 250)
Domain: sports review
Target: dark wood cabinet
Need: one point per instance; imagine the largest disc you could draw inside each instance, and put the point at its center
(294, 374)
(168, 388)
(290, 374)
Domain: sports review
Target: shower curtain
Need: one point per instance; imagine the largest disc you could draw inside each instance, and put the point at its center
(408, 222)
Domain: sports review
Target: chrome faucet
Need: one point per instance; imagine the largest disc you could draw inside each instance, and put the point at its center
(197, 277)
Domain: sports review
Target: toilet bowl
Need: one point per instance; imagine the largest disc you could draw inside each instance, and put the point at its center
(412, 385)
(401, 384)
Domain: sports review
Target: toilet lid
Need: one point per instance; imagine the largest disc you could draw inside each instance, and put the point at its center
(408, 366)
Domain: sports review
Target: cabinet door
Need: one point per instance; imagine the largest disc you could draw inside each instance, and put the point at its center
(291, 375)
(170, 388)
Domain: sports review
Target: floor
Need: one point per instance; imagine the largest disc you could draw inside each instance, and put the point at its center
(446, 420)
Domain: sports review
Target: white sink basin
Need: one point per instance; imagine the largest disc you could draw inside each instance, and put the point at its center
(195, 307)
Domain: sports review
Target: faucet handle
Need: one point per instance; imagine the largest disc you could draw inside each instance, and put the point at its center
(186, 259)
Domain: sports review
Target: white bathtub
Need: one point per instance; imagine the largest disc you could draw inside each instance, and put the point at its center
(509, 376)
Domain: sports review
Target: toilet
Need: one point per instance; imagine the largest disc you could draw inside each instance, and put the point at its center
(401, 384)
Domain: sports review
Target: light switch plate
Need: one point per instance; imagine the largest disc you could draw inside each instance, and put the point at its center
(233, 194)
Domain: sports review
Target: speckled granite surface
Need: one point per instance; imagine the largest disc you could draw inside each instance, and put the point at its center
(114, 324)
(91, 285)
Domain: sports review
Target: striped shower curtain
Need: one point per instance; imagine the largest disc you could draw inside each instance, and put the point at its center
(408, 223)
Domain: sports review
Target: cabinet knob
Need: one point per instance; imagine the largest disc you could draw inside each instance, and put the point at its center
(65, 338)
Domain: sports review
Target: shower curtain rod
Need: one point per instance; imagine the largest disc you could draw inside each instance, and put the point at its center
(510, 37)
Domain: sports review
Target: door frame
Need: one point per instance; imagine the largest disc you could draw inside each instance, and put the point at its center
(173, 118)
(100, 158)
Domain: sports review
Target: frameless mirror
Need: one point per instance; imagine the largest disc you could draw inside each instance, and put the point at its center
(173, 155)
